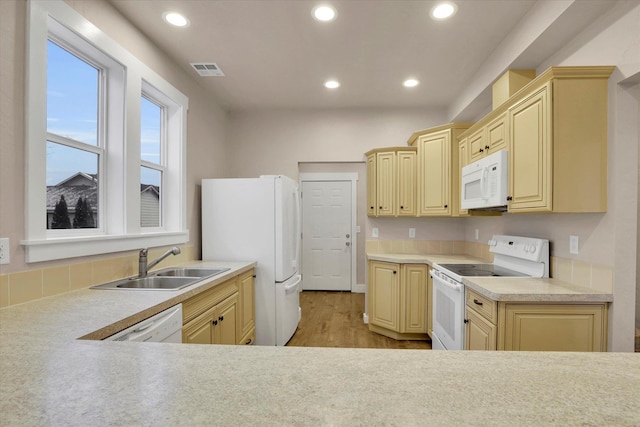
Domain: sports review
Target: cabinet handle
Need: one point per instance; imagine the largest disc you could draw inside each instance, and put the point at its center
(475, 301)
(221, 318)
(481, 151)
(380, 207)
(249, 341)
(371, 207)
(446, 206)
(466, 320)
(486, 147)
(401, 207)
(215, 322)
(509, 198)
(394, 272)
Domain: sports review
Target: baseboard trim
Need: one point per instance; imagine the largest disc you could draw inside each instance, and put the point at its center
(359, 288)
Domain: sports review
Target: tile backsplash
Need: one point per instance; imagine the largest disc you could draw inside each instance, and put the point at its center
(24, 286)
(594, 276)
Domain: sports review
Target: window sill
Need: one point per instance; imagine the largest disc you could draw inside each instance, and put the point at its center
(52, 249)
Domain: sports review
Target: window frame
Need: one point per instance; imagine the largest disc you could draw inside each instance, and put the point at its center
(120, 220)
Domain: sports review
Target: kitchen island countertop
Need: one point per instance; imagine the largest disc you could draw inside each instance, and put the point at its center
(50, 377)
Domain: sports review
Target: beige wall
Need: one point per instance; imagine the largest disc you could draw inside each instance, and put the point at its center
(275, 141)
(206, 132)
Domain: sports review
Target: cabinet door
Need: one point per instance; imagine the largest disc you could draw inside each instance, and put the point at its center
(407, 177)
(246, 305)
(384, 294)
(372, 185)
(530, 154)
(386, 191)
(226, 322)
(477, 143)
(200, 330)
(496, 135)
(413, 296)
(463, 160)
(555, 327)
(434, 182)
(429, 303)
(480, 334)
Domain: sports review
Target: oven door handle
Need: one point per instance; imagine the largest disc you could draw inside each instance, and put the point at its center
(458, 287)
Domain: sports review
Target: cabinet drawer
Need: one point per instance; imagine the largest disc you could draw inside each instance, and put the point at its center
(249, 338)
(207, 299)
(482, 305)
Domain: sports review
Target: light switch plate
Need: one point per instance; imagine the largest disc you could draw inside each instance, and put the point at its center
(4, 250)
(412, 233)
(374, 232)
(574, 245)
(477, 234)
(357, 228)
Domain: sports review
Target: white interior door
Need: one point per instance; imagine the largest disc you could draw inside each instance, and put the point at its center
(326, 235)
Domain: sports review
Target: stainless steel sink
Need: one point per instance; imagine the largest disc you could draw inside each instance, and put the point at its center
(168, 279)
(189, 272)
(150, 283)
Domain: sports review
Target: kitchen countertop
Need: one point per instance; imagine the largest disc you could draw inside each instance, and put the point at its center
(49, 377)
(514, 289)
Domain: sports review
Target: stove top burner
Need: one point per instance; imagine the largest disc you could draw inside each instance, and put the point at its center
(471, 270)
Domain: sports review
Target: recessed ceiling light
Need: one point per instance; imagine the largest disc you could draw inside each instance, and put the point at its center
(410, 83)
(176, 19)
(323, 13)
(443, 10)
(332, 84)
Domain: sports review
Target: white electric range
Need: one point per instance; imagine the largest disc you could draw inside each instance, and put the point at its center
(514, 256)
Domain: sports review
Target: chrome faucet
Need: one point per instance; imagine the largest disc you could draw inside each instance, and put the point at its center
(143, 267)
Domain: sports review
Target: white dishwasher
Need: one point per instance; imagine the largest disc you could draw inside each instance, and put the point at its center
(165, 326)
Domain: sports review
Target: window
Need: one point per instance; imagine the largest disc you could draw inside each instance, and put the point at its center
(105, 143)
(74, 148)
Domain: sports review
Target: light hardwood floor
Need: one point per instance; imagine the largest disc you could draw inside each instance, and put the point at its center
(334, 319)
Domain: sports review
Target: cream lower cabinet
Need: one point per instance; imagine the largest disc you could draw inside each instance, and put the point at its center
(217, 325)
(223, 314)
(528, 326)
(398, 300)
(246, 306)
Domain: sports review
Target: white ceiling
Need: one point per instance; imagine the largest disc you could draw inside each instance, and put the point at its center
(275, 55)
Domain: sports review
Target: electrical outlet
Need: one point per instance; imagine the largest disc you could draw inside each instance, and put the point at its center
(357, 228)
(412, 233)
(374, 232)
(477, 234)
(4, 250)
(574, 245)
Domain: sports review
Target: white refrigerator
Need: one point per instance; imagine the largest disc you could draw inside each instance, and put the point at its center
(247, 219)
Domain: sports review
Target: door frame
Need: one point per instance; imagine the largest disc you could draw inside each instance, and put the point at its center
(352, 178)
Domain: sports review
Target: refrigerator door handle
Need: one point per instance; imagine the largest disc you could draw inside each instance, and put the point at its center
(292, 287)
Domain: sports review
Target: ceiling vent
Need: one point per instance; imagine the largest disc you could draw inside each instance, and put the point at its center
(207, 69)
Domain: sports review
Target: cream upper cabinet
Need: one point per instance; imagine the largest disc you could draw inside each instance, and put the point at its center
(562, 121)
(488, 139)
(386, 183)
(372, 185)
(391, 181)
(530, 156)
(435, 174)
(438, 185)
(407, 182)
(398, 300)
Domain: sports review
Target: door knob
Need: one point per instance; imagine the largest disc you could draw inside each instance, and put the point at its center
(348, 243)
(348, 236)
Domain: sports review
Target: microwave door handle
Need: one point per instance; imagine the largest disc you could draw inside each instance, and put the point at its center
(483, 181)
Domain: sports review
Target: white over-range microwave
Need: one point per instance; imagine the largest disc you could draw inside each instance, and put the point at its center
(484, 183)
